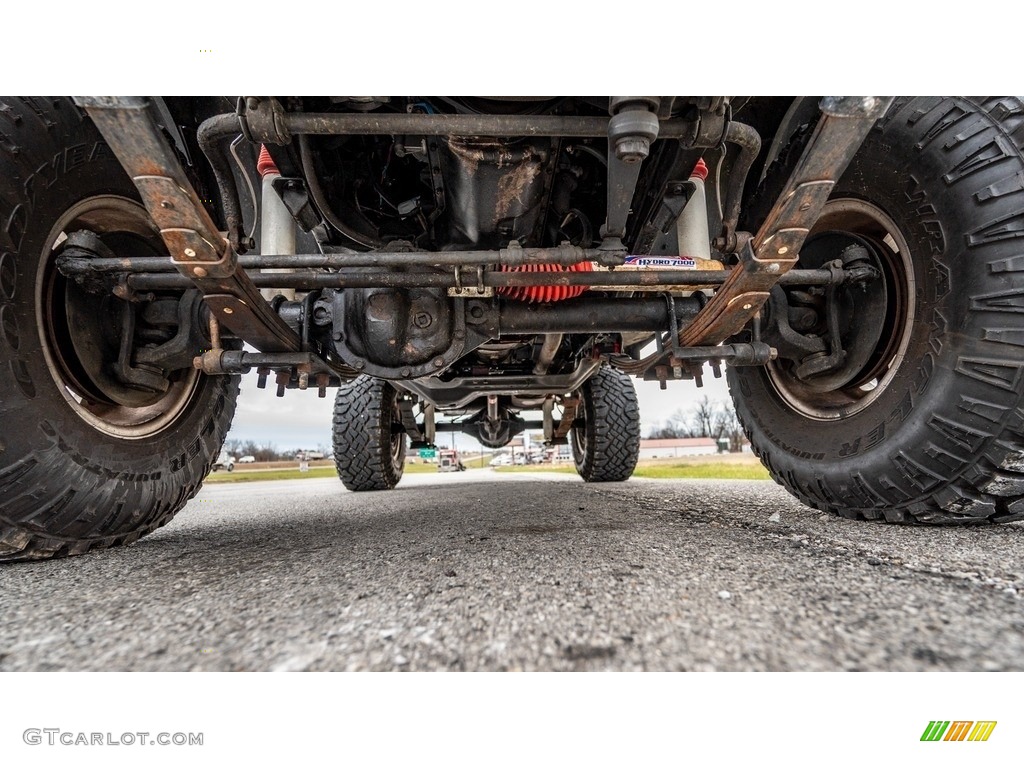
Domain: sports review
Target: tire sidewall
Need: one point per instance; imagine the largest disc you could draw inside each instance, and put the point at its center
(583, 442)
(903, 168)
(123, 487)
(393, 468)
(25, 378)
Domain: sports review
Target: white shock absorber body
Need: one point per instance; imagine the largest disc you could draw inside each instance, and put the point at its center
(277, 226)
(692, 224)
(694, 243)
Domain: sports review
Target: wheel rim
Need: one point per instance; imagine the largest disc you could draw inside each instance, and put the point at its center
(69, 320)
(867, 223)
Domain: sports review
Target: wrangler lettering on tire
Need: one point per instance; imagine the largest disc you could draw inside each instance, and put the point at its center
(935, 434)
(78, 471)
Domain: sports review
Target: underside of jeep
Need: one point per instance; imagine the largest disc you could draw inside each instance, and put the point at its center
(496, 264)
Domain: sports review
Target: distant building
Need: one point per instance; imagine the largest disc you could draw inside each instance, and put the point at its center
(680, 446)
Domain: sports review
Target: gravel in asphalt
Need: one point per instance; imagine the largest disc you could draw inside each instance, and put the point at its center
(487, 571)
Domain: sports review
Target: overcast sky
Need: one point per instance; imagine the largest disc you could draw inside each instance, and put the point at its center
(303, 420)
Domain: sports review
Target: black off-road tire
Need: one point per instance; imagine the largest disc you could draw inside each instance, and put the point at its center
(68, 486)
(606, 432)
(369, 444)
(941, 442)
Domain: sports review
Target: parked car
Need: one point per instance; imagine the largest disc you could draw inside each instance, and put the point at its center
(224, 461)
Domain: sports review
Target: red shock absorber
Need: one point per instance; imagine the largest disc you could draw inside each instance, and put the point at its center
(543, 293)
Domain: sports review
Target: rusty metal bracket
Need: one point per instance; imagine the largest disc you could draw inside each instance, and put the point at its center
(569, 406)
(229, 361)
(774, 250)
(198, 250)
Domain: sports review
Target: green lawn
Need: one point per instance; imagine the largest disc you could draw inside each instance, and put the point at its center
(665, 470)
(713, 470)
(242, 476)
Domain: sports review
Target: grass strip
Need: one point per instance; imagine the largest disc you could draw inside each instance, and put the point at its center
(242, 476)
(712, 470)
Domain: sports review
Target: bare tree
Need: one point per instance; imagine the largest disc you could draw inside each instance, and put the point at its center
(704, 416)
(728, 426)
(677, 425)
(267, 452)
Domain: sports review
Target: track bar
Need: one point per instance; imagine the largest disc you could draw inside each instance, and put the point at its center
(668, 279)
(83, 261)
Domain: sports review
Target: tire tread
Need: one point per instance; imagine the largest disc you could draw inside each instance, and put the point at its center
(973, 476)
(613, 424)
(362, 435)
(57, 499)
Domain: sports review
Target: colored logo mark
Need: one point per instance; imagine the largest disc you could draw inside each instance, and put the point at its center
(958, 730)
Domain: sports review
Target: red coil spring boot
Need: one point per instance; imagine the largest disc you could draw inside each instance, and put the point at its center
(265, 164)
(700, 170)
(543, 293)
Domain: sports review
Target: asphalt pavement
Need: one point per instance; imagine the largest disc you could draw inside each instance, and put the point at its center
(489, 571)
